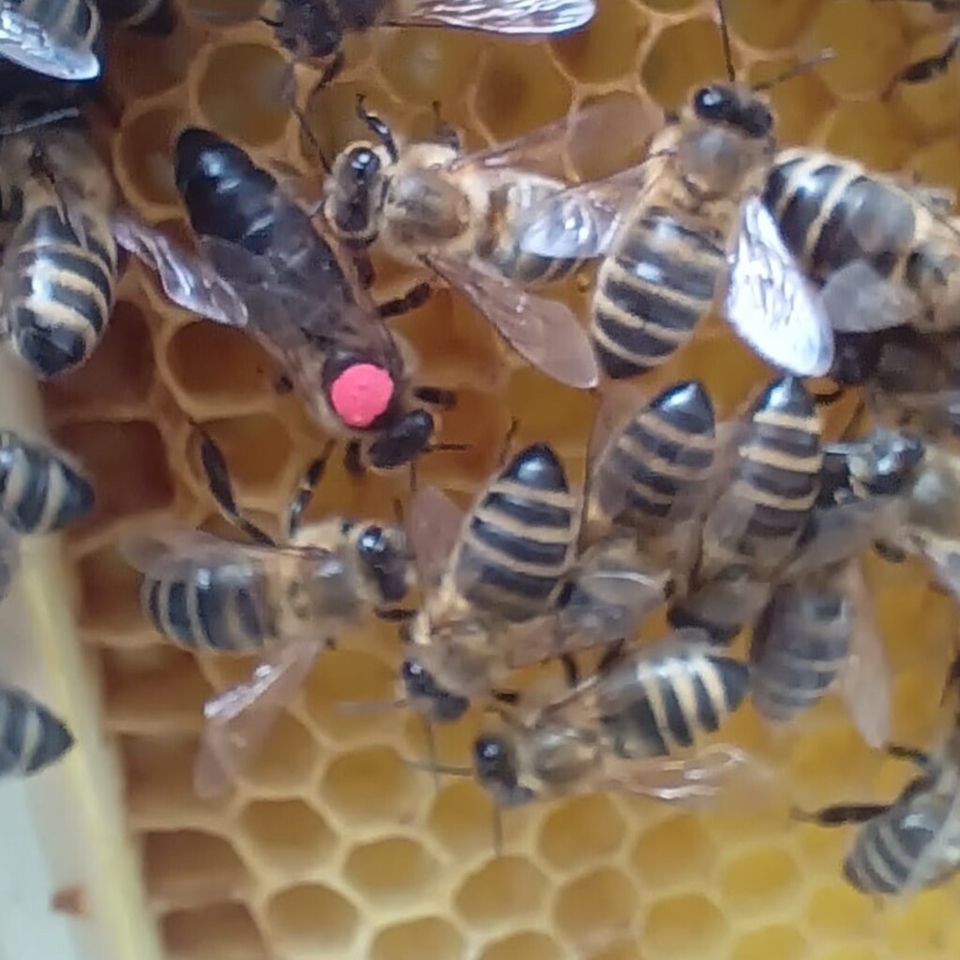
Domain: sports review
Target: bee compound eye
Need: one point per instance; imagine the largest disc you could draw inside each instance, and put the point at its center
(713, 103)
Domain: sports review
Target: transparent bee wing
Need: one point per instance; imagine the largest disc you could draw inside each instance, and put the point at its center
(543, 150)
(943, 556)
(857, 299)
(187, 279)
(719, 777)
(543, 331)
(865, 680)
(582, 222)
(24, 42)
(239, 720)
(434, 526)
(771, 304)
(839, 533)
(512, 17)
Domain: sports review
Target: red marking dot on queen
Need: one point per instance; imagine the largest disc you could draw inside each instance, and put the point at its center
(361, 394)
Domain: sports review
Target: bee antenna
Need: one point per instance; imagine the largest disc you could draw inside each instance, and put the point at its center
(445, 769)
(378, 127)
(497, 830)
(798, 69)
(436, 447)
(369, 707)
(52, 116)
(725, 37)
(431, 751)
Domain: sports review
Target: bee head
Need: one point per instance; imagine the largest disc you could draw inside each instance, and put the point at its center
(422, 690)
(403, 442)
(495, 764)
(355, 190)
(384, 555)
(887, 462)
(732, 106)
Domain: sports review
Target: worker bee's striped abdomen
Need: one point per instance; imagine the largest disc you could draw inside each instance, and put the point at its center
(675, 703)
(831, 214)
(31, 737)
(651, 292)
(520, 538)
(887, 849)
(800, 644)
(779, 472)
(39, 492)
(61, 291)
(224, 609)
(660, 462)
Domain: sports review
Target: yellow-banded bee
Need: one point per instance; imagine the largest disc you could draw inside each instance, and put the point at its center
(817, 633)
(267, 268)
(637, 725)
(668, 230)
(57, 38)
(885, 253)
(506, 566)
(285, 599)
(60, 259)
(912, 843)
(316, 29)
(430, 204)
(31, 737)
(41, 491)
(653, 471)
(752, 530)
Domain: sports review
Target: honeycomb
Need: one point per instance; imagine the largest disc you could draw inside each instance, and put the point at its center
(332, 845)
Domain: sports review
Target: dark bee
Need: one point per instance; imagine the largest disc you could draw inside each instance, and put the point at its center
(31, 737)
(316, 29)
(506, 568)
(615, 730)
(816, 634)
(56, 38)
(302, 301)
(60, 258)
(912, 843)
(753, 529)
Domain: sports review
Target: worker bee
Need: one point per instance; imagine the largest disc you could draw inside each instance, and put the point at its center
(885, 253)
(503, 589)
(636, 725)
(930, 67)
(668, 230)
(818, 633)
(315, 30)
(430, 204)
(57, 38)
(31, 737)
(912, 843)
(286, 600)
(41, 491)
(267, 268)
(60, 258)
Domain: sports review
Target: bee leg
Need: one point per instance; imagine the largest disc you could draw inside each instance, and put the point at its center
(444, 132)
(889, 552)
(571, 670)
(351, 460)
(929, 67)
(415, 297)
(842, 813)
(332, 70)
(437, 396)
(366, 275)
(218, 480)
(378, 127)
(395, 614)
(917, 757)
(611, 655)
(306, 489)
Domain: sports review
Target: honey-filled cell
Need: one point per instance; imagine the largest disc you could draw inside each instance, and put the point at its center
(337, 840)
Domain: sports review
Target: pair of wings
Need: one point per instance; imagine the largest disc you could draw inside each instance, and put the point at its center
(25, 42)
(509, 17)
(297, 317)
(239, 720)
(864, 681)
